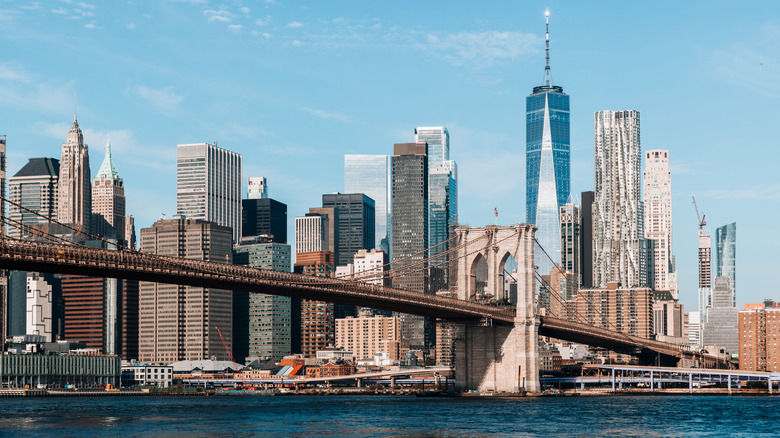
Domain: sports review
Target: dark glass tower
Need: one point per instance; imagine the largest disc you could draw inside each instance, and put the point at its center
(264, 217)
(547, 163)
(356, 224)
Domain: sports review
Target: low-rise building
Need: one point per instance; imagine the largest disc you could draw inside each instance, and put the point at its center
(145, 374)
(331, 369)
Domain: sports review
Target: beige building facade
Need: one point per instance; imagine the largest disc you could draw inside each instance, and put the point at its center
(180, 322)
(759, 335)
(368, 334)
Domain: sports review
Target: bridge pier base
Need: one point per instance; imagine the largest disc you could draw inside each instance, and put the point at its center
(497, 359)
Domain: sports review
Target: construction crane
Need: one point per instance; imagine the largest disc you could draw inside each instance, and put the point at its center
(232, 359)
(702, 222)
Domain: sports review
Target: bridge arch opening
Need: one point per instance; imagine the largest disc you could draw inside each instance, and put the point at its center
(507, 279)
(478, 276)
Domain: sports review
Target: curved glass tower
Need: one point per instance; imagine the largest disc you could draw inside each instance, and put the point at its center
(547, 164)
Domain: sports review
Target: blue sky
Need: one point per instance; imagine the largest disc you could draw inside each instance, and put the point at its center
(293, 86)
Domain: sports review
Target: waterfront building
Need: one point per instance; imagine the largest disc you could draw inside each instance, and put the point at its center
(410, 232)
(722, 324)
(208, 185)
(626, 310)
(317, 317)
(368, 334)
(146, 374)
(586, 240)
(108, 201)
(759, 337)
(618, 234)
(372, 175)
(74, 199)
(366, 267)
(258, 187)
(262, 325)
(311, 233)
(726, 261)
(57, 370)
(264, 217)
(547, 162)
(355, 223)
(180, 322)
(34, 187)
(571, 234)
(705, 273)
(657, 198)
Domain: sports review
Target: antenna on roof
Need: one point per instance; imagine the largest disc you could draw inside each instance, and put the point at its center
(547, 50)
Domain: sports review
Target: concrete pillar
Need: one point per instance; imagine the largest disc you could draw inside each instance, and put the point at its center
(690, 382)
(613, 380)
(359, 383)
(582, 383)
(729, 378)
(652, 382)
(769, 381)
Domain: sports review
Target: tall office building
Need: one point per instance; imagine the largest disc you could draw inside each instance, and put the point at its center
(372, 175)
(264, 217)
(618, 227)
(442, 189)
(3, 278)
(208, 185)
(75, 191)
(657, 197)
(311, 233)
(356, 224)
(586, 240)
(410, 232)
(547, 162)
(571, 234)
(108, 201)
(258, 187)
(102, 313)
(722, 324)
(35, 188)
(726, 261)
(265, 330)
(180, 322)
(705, 273)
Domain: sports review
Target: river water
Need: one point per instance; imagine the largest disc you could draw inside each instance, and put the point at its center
(392, 416)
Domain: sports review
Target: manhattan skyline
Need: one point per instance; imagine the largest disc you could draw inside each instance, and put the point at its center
(355, 79)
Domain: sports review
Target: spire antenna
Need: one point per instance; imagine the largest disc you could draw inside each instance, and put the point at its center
(75, 104)
(547, 50)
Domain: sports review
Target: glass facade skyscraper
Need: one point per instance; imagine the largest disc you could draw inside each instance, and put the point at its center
(726, 262)
(442, 195)
(355, 224)
(371, 175)
(547, 164)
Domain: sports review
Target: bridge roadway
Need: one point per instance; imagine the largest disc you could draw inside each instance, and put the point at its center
(133, 265)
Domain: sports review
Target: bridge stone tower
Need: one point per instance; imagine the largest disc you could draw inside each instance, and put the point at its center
(497, 358)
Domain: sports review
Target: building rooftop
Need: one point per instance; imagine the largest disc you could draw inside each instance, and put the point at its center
(40, 167)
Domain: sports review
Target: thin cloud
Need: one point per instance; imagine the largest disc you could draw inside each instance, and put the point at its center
(222, 15)
(477, 50)
(294, 24)
(130, 26)
(327, 115)
(235, 28)
(263, 21)
(165, 99)
(21, 89)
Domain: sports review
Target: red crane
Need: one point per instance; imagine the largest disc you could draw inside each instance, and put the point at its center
(225, 344)
(702, 222)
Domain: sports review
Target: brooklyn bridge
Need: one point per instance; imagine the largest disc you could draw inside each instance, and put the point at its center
(496, 344)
